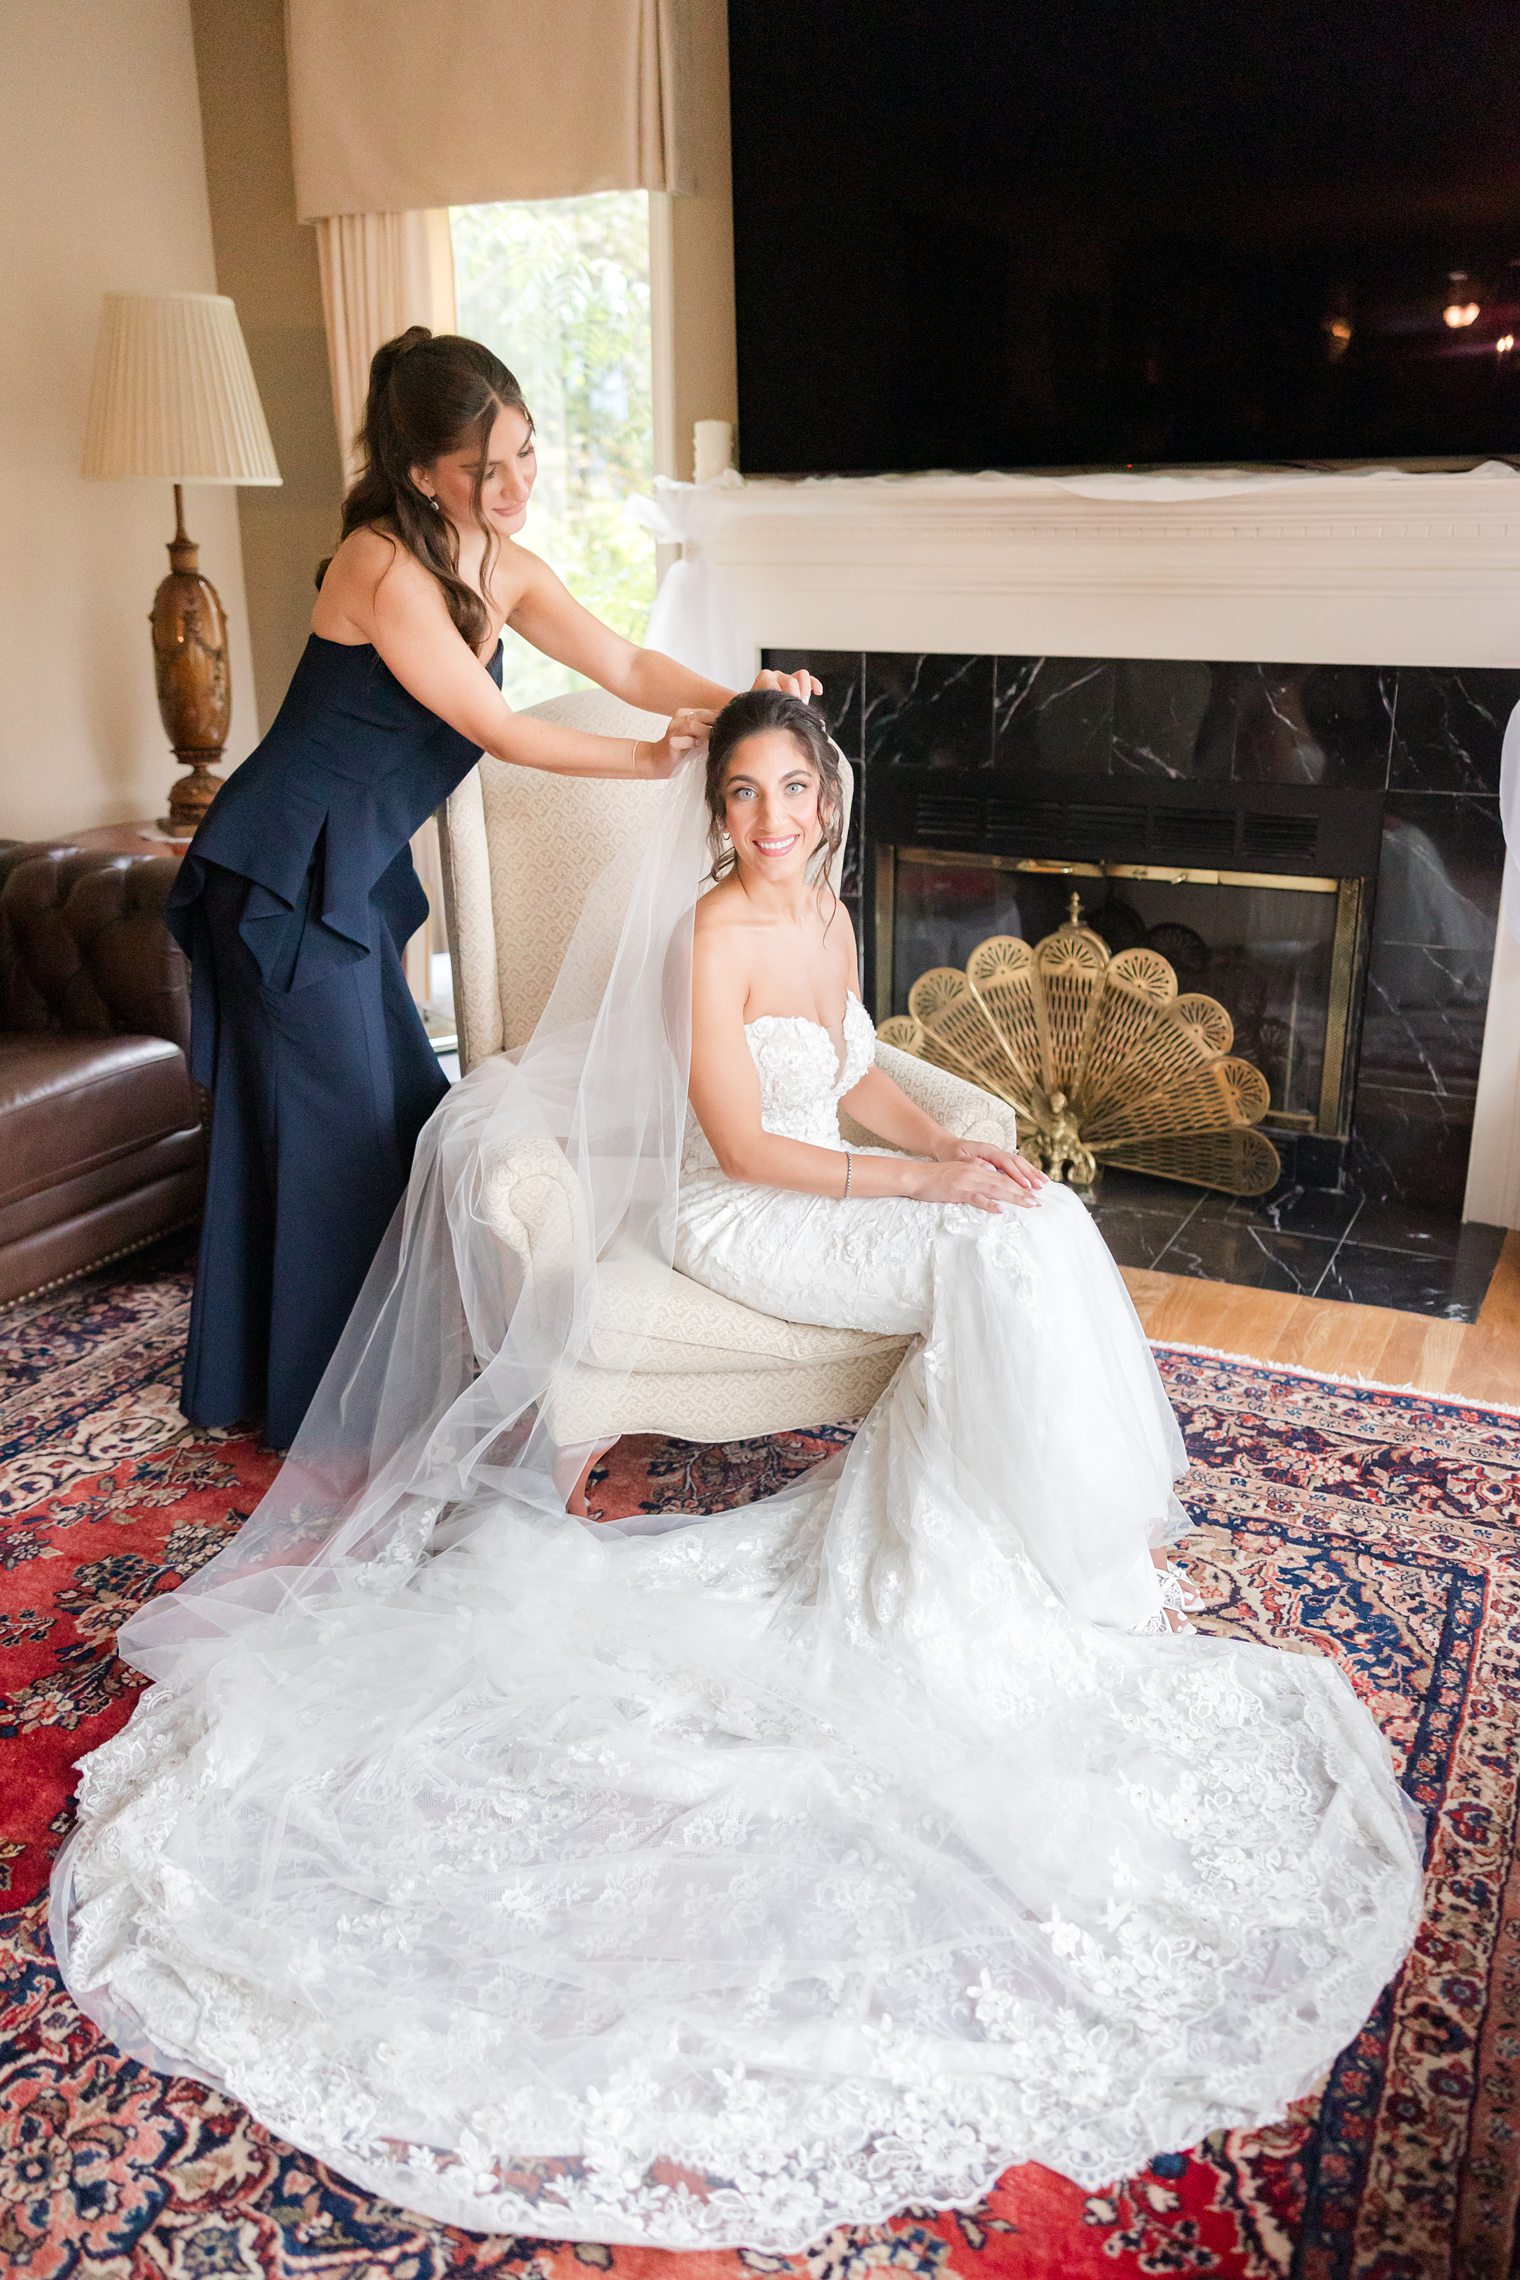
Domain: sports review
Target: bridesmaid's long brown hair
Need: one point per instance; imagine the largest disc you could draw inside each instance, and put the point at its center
(429, 393)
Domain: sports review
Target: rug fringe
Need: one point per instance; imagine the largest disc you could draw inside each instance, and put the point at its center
(1333, 1377)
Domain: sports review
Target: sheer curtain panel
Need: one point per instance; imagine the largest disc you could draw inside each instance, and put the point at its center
(381, 273)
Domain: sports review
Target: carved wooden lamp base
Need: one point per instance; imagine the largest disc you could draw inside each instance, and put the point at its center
(194, 683)
(189, 799)
(173, 398)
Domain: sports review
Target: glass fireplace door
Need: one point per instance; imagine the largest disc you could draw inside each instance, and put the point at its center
(1278, 952)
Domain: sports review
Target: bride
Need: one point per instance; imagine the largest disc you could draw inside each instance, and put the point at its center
(718, 1880)
(775, 1211)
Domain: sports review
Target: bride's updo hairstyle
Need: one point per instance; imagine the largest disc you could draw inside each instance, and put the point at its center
(429, 393)
(751, 714)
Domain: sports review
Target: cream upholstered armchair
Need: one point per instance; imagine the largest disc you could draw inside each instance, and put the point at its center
(665, 1355)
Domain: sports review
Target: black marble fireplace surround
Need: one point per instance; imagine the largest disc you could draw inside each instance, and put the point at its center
(1376, 1220)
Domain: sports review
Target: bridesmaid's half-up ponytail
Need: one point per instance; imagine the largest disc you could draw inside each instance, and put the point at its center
(429, 393)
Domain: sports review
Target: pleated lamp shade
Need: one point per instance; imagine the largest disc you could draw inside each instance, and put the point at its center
(173, 393)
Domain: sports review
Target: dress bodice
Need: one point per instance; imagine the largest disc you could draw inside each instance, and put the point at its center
(802, 1080)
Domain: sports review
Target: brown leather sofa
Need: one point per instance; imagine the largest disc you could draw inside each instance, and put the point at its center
(101, 1139)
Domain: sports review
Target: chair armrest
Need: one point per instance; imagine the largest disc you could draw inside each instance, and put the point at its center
(465, 856)
(84, 947)
(532, 1201)
(963, 1109)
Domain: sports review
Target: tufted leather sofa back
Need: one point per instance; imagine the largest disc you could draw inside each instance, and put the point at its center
(83, 946)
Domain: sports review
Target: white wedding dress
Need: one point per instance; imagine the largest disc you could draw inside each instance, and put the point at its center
(783, 1868)
(720, 1880)
(1048, 1392)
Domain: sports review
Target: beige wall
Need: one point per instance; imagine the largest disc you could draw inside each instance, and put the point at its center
(693, 254)
(267, 261)
(102, 186)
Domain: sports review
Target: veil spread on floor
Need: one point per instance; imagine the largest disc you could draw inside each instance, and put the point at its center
(428, 1411)
(701, 1881)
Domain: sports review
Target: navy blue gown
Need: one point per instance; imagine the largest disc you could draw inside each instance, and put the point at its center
(293, 903)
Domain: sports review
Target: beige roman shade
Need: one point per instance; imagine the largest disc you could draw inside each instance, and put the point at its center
(403, 104)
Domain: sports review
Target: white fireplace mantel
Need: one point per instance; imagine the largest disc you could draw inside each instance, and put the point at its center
(1376, 569)
(1379, 568)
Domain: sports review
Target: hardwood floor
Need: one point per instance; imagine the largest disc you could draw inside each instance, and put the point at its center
(1477, 1360)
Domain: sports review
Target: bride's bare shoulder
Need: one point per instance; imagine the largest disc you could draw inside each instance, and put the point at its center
(720, 913)
(722, 934)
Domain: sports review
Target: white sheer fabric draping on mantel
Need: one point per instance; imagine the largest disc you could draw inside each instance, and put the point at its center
(693, 616)
(1509, 816)
(695, 1880)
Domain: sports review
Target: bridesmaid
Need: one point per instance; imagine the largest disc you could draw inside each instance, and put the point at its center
(297, 893)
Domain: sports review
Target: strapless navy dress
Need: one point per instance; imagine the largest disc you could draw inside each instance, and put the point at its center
(293, 903)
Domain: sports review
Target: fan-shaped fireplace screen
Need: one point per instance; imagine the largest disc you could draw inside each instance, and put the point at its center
(1154, 1019)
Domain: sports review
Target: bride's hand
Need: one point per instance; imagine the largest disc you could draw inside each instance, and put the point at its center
(803, 685)
(663, 756)
(970, 1179)
(1018, 1168)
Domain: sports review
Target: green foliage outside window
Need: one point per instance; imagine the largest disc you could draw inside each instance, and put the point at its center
(559, 288)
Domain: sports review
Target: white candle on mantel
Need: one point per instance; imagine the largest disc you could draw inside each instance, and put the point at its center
(713, 452)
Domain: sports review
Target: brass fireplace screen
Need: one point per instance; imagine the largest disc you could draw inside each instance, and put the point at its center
(1154, 976)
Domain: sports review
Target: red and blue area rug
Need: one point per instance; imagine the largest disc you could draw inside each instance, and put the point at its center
(1380, 1527)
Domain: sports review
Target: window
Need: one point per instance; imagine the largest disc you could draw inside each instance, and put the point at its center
(559, 288)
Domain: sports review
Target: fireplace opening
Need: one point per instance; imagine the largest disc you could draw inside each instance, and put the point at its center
(1260, 900)
(1330, 836)
(1285, 955)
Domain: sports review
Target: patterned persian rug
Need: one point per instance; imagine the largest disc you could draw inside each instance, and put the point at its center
(1380, 1527)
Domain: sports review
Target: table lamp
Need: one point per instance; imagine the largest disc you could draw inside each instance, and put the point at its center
(173, 396)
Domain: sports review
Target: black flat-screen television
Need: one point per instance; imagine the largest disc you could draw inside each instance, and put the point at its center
(1107, 233)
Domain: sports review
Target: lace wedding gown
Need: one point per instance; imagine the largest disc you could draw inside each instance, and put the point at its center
(729, 1880)
(1048, 1390)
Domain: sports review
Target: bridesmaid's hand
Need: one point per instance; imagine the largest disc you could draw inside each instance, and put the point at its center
(688, 730)
(803, 685)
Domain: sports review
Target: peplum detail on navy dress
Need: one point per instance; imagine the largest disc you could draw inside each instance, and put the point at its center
(294, 901)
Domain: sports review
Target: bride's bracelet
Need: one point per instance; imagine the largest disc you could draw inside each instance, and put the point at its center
(847, 1161)
(637, 741)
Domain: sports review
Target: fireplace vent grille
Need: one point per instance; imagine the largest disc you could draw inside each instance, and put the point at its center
(1095, 831)
(1280, 838)
(1002, 826)
(1191, 835)
(950, 819)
